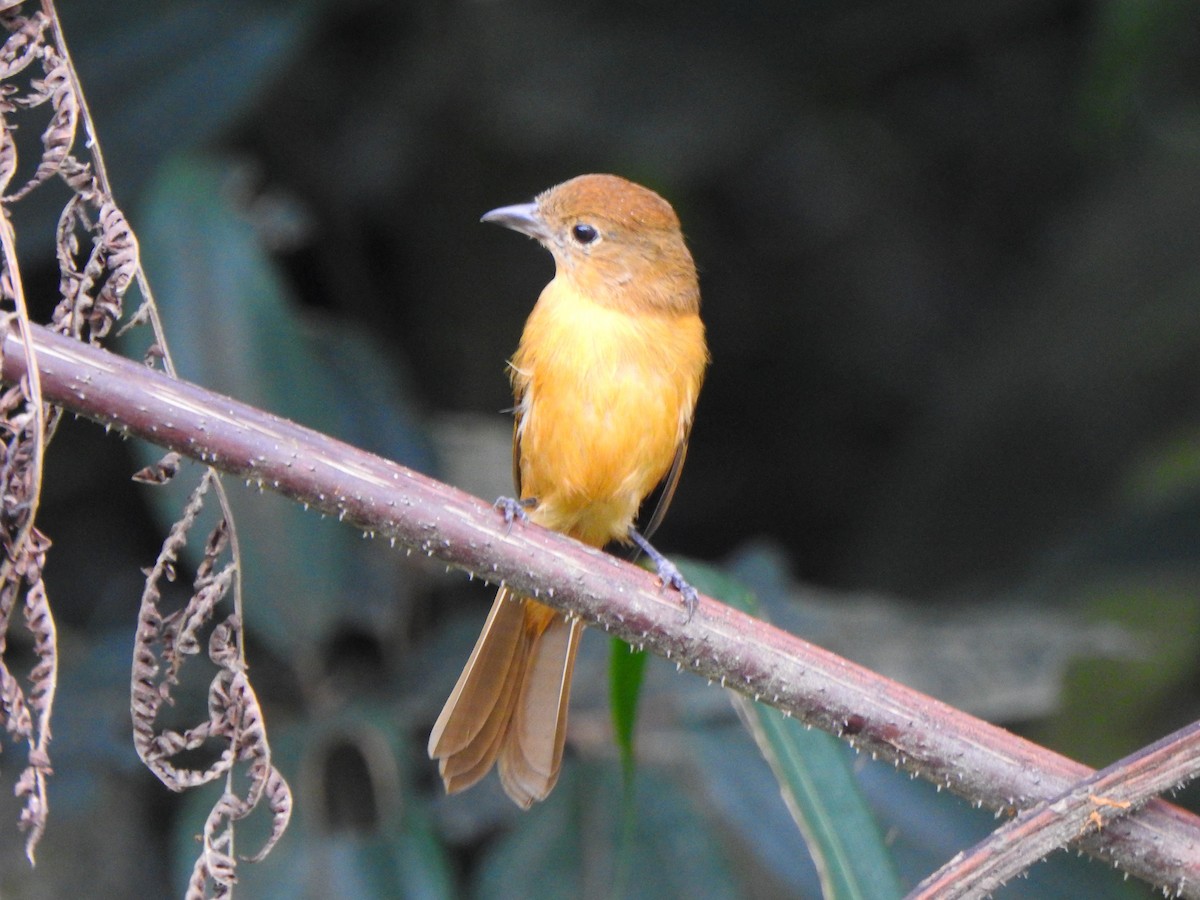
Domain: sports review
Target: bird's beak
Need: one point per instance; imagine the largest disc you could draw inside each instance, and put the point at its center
(522, 217)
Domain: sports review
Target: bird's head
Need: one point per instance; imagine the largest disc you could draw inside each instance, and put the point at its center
(615, 241)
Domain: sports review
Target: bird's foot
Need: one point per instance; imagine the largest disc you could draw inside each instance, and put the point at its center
(514, 509)
(668, 573)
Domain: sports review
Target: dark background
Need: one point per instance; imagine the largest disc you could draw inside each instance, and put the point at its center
(950, 261)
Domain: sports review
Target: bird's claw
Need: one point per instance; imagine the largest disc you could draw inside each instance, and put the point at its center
(670, 576)
(668, 573)
(514, 509)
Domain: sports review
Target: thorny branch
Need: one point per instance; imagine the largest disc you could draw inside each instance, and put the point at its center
(992, 767)
(1088, 805)
(97, 255)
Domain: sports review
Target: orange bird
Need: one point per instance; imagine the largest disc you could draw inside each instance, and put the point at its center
(605, 379)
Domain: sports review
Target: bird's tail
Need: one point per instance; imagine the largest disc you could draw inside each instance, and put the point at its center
(510, 703)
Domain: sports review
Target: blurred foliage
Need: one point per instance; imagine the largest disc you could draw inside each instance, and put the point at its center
(308, 574)
(1137, 45)
(1140, 696)
(566, 848)
(816, 780)
(950, 255)
(358, 834)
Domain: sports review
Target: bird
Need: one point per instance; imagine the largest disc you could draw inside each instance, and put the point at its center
(605, 381)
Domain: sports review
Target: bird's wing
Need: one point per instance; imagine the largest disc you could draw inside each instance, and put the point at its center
(666, 488)
(516, 455)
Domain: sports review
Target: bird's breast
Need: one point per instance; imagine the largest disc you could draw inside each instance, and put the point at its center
(604, 398)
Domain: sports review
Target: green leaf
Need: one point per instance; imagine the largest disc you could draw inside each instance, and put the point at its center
(816, 780)
(565, 846)
(627, 667)
(823, 797)
(626, 671)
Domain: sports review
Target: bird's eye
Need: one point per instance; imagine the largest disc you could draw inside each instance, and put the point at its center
(584, 233)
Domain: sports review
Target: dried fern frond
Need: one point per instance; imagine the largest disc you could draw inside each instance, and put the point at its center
(26, 425)
(56, 88)
(98, 260)
(163, 643)
(92, 289)
(26, 710)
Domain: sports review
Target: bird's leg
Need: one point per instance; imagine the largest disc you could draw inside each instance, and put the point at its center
(514, 509)
(668, 572)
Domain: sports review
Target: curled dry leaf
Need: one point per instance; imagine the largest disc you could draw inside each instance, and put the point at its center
(24, 43)
(279, 799)
(161, 472)
(26, 702)
(208, 590)
(117, 245)
(92, 295)
(8, 156)
(155, 644)
(43, 682)
(17, 720)
(27, 711)
(58, 138)
(235, 713)
(164, 641)
(71, 280)
(215, 867)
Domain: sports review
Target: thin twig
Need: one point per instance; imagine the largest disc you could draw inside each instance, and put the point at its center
(1087, 807)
